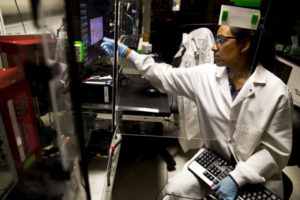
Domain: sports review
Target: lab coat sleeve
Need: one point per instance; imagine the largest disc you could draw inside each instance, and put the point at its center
(273, 152)
(162, 76)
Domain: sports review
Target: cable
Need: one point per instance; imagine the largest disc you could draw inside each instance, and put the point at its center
(180, 197)
(159, 191)
(260, 36)
(131, 22)
(20, 16)
(80, 181)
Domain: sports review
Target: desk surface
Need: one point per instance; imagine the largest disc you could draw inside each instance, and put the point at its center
(133, 101)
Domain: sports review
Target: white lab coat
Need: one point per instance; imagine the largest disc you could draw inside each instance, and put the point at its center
(195, 49)
(256, 128)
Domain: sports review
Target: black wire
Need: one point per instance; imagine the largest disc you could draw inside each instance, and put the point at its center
(20, 16)
(260, 36)
(159, 191)
(181, 197)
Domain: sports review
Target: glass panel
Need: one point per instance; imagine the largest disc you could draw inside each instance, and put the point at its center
(93, 20)
(96, 73)
(142, 109)
(39, 112)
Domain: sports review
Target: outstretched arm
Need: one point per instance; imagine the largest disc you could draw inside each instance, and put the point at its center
(161, 75)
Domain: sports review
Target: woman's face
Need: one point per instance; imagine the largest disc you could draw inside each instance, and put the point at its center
(227, 51)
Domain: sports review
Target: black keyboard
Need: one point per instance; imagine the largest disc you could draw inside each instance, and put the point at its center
(211, 168)
(135, 81)
(131, 41)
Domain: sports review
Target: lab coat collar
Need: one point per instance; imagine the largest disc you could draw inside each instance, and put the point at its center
(259, 75)
(222, 79)
(220, 70)
(246, 91)
(257, 78)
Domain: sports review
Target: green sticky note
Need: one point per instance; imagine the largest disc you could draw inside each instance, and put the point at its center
(254, 19)
(224, 15)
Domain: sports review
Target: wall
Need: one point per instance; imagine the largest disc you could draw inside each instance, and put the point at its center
(53, 11)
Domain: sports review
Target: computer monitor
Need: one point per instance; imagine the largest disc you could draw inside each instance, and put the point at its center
(94, 25)
(96, 29)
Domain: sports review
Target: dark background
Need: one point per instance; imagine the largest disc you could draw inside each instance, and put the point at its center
(167, 26)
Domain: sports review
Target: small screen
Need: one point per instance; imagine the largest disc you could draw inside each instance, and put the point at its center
(96, 27)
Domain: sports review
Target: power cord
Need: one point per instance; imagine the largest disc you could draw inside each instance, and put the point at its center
(180, 197)
(260, 37)
(160, 190)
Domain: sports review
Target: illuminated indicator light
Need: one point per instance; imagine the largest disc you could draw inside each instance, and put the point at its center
(79, 50)
(29, 161)
(224, 15)
(254, 19)
(213, 185)
(247, 3)
(66, 140)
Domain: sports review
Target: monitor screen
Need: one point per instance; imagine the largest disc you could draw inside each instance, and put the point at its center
(94, 24)
(96, 29)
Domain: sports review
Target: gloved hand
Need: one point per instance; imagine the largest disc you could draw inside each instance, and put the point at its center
(226, 189)
(108, 46)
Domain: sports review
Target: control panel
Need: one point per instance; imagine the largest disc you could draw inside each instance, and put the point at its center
(19, 119)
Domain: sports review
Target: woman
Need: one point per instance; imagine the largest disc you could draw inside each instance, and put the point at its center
(245, 114)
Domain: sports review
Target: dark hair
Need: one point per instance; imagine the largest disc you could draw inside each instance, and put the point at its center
(261, 47)
(243, 35)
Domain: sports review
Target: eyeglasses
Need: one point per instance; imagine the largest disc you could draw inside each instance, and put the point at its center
(220, 39)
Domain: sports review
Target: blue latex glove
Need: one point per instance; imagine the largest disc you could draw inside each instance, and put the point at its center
(108, 46)
(226, 189)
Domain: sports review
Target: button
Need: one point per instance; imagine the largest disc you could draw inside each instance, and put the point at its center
(267, 192)
(264, 196)
(273, 197)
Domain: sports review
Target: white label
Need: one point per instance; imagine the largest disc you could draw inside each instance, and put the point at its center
(239, 17)
(14, 124)
(106, 94)
(78, 52)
